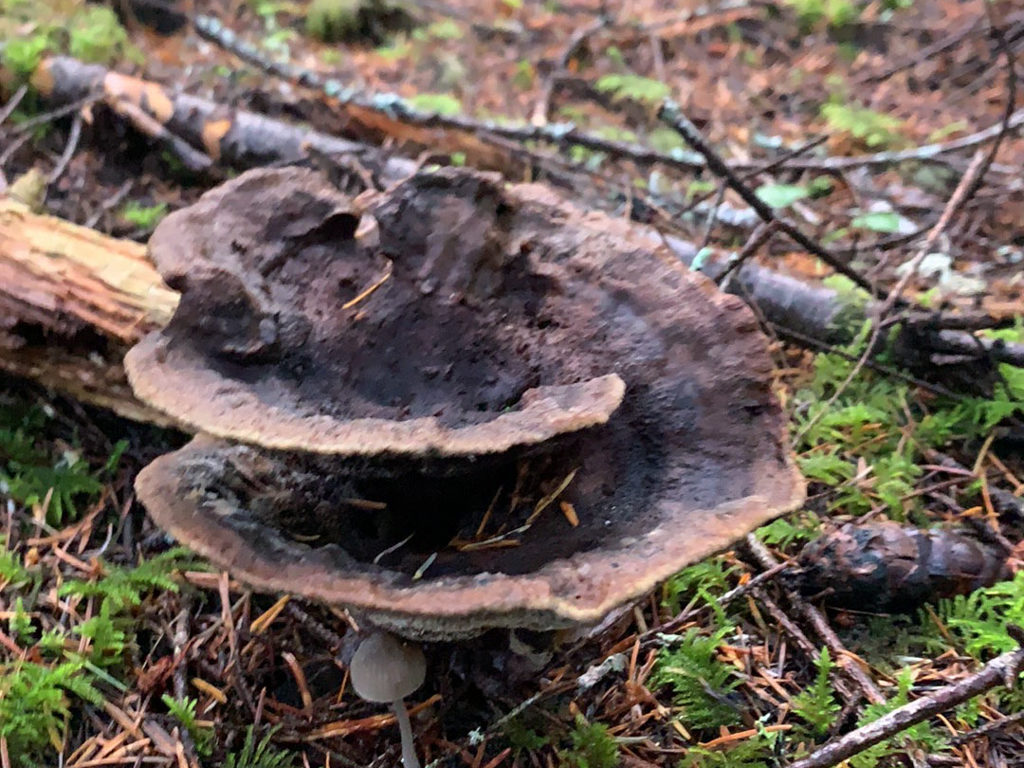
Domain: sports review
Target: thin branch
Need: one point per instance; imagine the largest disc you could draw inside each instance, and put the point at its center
(672, 115)
(69, 149)
(814, 617)
(12, 103)
(759, 237)
(1000, 671)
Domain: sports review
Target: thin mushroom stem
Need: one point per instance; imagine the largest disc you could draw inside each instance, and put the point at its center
(409, 759)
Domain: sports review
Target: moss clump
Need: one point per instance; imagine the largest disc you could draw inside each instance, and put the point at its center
(32, 30)
(97, 36)
(372, 21)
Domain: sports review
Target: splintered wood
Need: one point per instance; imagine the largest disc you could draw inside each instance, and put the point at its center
(72, 301)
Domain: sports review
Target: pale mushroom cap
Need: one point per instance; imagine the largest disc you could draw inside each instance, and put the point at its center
(385, 669)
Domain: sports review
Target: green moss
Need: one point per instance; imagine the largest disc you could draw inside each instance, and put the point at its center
(88, 32)
(143, 216)
(592, 747)
(97, 36)
(21, 57)
(332, 21)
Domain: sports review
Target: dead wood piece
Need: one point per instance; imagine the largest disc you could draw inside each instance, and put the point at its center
(72, 302)
(200, 129)
(885, 566)
(803, 313)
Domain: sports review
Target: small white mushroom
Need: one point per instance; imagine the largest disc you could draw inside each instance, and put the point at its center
(385, 669)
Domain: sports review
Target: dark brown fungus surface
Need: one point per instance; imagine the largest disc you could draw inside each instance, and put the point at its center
(292, 333)
(497, 298)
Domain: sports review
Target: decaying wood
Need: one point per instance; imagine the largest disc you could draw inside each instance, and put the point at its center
(200, 131)
(72, 301)
(802, 312)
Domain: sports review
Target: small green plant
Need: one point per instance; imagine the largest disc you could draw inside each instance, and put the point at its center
(816, 705)
(699, 682)
(34, 705)
(705, 580)
(923, 735)
(333, 21)
(97, 36)
(65, 482)
(20, 623)
(436, 103)
(119, 588)
(143, 216)
(592, 747)
(12, 571)
(446, 29)
(106, 641)
(31, 475)
(184, 712)
(980, 618)
(522, 734)
(633, 88)
(258, 754)
(870, 128)
(21, 57)
(837, 14)
(782, 195)
(886, 222)
(786, 531)
(756, 752)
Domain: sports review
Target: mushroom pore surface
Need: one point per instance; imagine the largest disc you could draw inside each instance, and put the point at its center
(660, 442)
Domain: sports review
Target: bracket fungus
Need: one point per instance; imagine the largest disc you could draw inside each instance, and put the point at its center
(454, 405)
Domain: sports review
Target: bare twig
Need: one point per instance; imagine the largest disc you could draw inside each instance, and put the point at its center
(939, 46)
(924, 153)
(543, 107)
(1000, 671)
(672, 115)
(12, 103)
(191, 157)
(814, 617)
(987, 729)
(758, 237)
(69, 149)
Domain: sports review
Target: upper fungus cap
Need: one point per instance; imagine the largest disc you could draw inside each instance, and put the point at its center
(295, 334)
(493, 291)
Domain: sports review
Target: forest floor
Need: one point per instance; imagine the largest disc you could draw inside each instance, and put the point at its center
(117, 648)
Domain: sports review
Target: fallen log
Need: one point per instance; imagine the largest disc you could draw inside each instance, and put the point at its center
(72, 302)
(802, 312)
(200, 131)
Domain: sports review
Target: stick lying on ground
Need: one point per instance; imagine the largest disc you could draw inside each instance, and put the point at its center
(1002, 670)
(201, 131)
